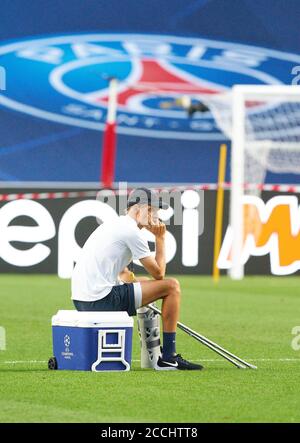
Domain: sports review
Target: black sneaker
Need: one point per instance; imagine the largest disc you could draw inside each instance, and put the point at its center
(176, 363)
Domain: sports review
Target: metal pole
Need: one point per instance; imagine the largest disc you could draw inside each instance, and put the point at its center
(219, 211)
(210, 344)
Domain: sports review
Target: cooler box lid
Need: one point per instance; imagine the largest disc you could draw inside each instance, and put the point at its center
(92, 319)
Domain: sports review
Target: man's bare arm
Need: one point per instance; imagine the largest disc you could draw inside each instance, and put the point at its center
(157, 266)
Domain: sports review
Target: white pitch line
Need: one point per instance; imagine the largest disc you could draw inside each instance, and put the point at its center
(247, 359)
(15, 362)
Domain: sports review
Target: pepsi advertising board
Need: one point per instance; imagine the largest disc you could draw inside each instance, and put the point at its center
(45, 233)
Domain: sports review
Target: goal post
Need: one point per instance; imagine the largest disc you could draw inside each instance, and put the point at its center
(237, 177)
(265, 136)
(263, 124)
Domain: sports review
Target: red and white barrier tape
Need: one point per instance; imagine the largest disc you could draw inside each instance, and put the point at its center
(47, 195)
(197, 187)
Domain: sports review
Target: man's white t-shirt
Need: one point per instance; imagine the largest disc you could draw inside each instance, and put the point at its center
(109, 249)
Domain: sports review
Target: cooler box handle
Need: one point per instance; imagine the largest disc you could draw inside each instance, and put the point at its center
(104, 348)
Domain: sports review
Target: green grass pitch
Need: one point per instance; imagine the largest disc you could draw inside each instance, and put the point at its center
(253, 318)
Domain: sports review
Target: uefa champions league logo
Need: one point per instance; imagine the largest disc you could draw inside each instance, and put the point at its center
(70, 72)
(67, 342)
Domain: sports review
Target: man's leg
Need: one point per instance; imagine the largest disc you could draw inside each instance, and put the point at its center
(169, 291)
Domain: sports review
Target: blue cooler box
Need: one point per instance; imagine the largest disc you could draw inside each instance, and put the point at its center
(92, 341)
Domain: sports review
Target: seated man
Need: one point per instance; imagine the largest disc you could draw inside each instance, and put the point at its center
(96, 284)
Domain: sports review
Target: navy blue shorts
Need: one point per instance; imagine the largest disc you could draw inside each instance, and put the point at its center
(120, 298)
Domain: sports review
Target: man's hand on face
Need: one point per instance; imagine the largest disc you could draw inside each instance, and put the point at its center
(159, 229)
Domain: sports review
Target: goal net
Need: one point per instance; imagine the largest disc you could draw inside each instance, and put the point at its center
(263, 124)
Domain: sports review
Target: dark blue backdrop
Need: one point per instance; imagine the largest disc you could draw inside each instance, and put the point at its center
(35, 149)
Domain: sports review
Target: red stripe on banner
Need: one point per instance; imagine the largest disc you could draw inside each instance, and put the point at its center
(108, 156)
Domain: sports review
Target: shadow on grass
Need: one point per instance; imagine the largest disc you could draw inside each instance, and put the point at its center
(135, 370)
(24, 370)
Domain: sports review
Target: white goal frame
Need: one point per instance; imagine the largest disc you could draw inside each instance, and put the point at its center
(241, 94)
